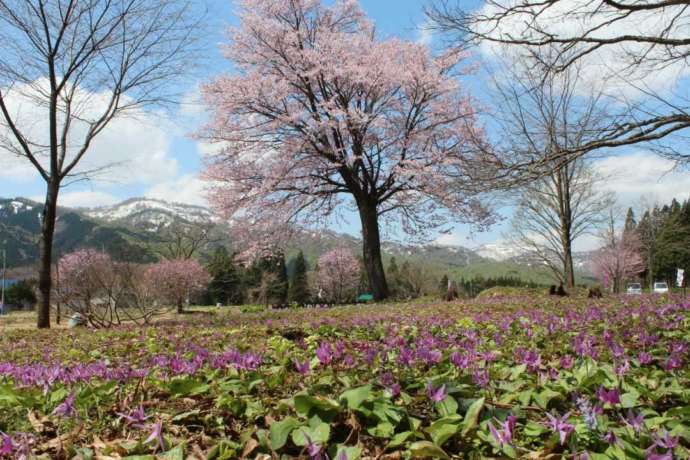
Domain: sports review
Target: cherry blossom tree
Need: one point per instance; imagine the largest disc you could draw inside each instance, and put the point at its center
(322, 114)
(102, 291)
(619, 260)
(175, 280)
(337, 277)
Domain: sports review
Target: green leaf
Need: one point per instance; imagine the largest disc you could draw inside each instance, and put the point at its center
(447, 407)
(356, 396)
(304, 403)
(187, 387)
(399, 439)
(174, 454)
(443, 429)
(544, 397)
(426, 449)
(281, 430)
(629, 400)
(534, 430)
(517, 371)
(58, 395)
(382, 430)
(472, 416)
(350, 453)
(318, 435)
(8, 394)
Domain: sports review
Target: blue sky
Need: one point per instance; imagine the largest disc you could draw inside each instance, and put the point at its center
(160, 160)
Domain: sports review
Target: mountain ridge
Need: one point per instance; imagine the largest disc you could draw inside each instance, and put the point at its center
(129, 230)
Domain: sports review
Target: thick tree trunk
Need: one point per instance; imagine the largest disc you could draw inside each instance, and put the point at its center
(46, 255)
(180, 306)
(371, 239)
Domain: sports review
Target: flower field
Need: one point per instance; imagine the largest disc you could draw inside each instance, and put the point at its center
(501, 377)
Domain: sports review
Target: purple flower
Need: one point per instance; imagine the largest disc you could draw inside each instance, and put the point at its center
(7, 445)
(635, 421)
(324, 353)
(560, 425)
(674, 362)
(436, 394)
(655, 456)
(303, 368)
(566, 362)
(481, 377)
(644, 358)
(405, 356)
(666, 441)
(611, 438)
(622, 369)
(394, 389)
(532, 359)
(348, 360)
(314, 450)
(136, 418)
(66, 408)
(609, 396)
(459, 360)
(156, 435)
(505, 434)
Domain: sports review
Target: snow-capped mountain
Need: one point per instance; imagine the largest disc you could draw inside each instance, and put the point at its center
(150, 214)
(15, 206)
(500, 251)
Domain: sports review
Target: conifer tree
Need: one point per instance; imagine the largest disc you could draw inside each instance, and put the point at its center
(299, 288)
(226, 285)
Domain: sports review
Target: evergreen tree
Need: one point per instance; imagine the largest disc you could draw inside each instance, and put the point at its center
(673, 242)
(226, 285)
(443, 285)
(630, 222)
(268, 274)
(393, 277)
(299, 287)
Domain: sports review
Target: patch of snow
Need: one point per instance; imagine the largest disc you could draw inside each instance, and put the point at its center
(155, 212)
(499, 251)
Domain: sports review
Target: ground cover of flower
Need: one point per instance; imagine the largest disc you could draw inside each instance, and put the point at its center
(501, 377)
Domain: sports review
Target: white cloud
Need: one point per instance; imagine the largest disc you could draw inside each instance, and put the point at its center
(607, 68)
(187, 189)
(451, 239)
(191, 104)
(132, 149)
(87, 199)
(639, 175)
(425, 33)
(16, 170)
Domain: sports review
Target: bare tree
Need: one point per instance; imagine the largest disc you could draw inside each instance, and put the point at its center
(641, 38)
(555, 211)
(542, 115)
(182, 240)
(80, 64)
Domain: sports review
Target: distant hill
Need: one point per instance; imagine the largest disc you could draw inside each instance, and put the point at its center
(129, 231)
(20, 228)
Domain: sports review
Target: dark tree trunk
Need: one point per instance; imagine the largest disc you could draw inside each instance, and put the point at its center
(563, 184)
(568, 268)
(180, 306)
(46, 255)
(371, 240)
